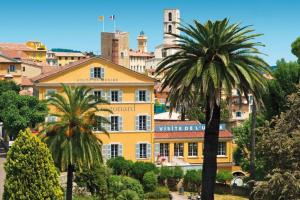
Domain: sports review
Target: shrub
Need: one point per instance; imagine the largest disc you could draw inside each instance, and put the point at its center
(223, 176)
(165, 173)
(128, 195)
(159, 193)
(192, 180)
(95, 180)
(177, 173)
(140, 168)
(120, 166)
(117, 184)
(150, 181)
(30, 170)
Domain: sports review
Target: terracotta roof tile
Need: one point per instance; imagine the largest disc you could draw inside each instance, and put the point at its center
(25, 81)
(16, 46)
(187, 135)
(11, 53)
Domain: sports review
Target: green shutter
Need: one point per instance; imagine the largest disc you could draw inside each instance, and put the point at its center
(137, 151)
(120, 94)
(137, 92)
(120, 123)
(120, 150)
(102, 72)
(148, 150)
(92, 75)
(137, 122)
(147, 95)
(109, 96)
(148, 122)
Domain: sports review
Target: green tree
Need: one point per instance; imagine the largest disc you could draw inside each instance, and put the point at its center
(30, 170)
(128, 195)
(224, 176)
(211, 58)
(192, 180)
(71, 139)
(6, 85)
(149, 181)
(296, 48)
(19, 112)
(120, 166)
(140, 168)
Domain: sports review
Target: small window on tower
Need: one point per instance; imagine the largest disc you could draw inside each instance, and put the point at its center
(170, 29)
(122, 54)
(170, 16)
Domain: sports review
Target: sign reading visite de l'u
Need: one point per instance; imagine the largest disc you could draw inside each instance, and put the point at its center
(183, 128)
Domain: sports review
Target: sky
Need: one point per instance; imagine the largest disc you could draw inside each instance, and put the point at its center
(74, 24)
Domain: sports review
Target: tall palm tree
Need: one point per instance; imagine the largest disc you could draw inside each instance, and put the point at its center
(70, 138)
(212, 58)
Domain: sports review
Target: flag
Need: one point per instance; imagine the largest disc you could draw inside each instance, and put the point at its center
(101, 18)
(112, 17)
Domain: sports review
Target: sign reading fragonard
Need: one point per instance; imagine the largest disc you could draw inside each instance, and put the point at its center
(97, 80)
(116, 109)
(183, 128)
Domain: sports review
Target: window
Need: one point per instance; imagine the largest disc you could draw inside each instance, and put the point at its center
(142, 122)
(143, 150)
(238, 114)
(98, 94)
(114, 120)
(193, 149)
(66, 58)
(122, 54)
(170, 29)
(12, 68)
(142, 95)
(59, 58)
(49, 92)
(97, 72)
(222, 149)
(72, 58)
(114, 95)
(23, 69)
(114, 150)
(164, 53)
(178, 149)
(50, 119)
(170, 16)
(164, 149)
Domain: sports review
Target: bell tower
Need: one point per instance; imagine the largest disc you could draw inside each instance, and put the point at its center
(142, 42)
(171, 23)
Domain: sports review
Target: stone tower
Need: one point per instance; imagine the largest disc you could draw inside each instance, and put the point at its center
(171, 23)
(142, 42)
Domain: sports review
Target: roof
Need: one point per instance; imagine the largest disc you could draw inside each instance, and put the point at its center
(25, 81)
(78, 63)
(69, 54)
(188, 135)
(140, 54)
(16, 46)
(11, 53)
(5, 59)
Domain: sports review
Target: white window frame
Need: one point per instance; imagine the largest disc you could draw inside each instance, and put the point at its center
(12, 67)
(164, 149)
(222, 149)
(191, 152)
(142, 127)
(141, 156)
(98, 90)
(115, 152)
(179, 149)
(47, 94)
(111, 124)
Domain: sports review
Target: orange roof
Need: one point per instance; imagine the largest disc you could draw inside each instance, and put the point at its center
(5, 59)
(11, 53)
(187, 135)
(15, 46)
(140, 54)
(25, 81)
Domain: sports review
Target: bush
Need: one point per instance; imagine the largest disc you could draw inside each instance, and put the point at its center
(165, 173)
(140, 168)
(192, 180)
(128, 195)
(120, 166)
(117, 184)
(158, 193)
(30, 170)
(177, 173)
(95, 180)
(223, 176)
(150, 181)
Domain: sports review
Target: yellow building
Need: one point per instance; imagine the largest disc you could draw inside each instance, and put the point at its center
(131, 99)
(10, 69)
(64, 58)
(132, 132)
(180, 143)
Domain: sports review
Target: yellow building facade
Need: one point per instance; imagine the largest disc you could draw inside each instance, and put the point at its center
(131, 98)
(10, 69)
(36, 51)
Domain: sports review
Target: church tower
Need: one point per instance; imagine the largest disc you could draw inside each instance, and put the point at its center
(171, 23)
(142, 42)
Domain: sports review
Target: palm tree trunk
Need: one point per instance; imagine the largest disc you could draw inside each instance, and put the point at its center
(253, 136)
(69, 182)
(211, 137)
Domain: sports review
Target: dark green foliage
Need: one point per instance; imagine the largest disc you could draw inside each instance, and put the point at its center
(64, 50)
(279, 185)
(164, 174)
(140, 168)
(128, 195)
(192, 180)
(8, 86)
(95, 180)
(177, 173)
(30, 170)
(150, 181)
(19, 112)
(171, 176)
(224, 176)
(296, 48)
(120, 166)
(158, 193)
(117, 184)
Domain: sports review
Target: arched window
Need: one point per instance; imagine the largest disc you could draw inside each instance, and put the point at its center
(170, 16)
(170, 29)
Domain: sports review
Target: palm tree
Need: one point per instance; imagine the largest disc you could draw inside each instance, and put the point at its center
(212, 58)
(70, 138)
